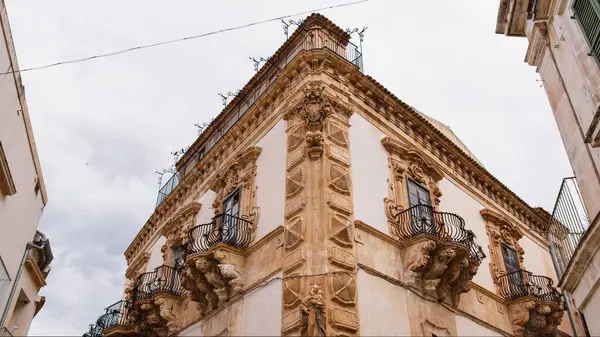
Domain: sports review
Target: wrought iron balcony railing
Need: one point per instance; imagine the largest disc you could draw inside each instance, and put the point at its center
(163, 279)
(223, 228)
(568, 224)
(523, 283)
(94, 331)
(120, 313)
(423, 219)
(321, 38)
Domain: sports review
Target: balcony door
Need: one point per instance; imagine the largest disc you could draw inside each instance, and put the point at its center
(230, 216)
(422, 215)
(515, 278)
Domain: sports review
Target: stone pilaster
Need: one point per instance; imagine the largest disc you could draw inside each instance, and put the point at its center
(319, 289)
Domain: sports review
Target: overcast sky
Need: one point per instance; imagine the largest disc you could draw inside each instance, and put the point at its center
(103, 127)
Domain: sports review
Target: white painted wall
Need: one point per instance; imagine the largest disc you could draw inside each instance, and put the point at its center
(370, 172)
(383, 310)
(537, 260)
(206, 212)
(194, 330)
(454, 200)
(261, 314)
(270, 179)
(156, 258)
(591, 310)
(466, 327)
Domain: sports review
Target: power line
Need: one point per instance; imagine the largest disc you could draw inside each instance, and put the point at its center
(180, 39)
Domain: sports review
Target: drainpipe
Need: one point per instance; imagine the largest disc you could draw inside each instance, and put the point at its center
(28, 247)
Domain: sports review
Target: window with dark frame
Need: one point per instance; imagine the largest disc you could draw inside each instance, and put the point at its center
(587, 13)
(417, 195)
(230, 217)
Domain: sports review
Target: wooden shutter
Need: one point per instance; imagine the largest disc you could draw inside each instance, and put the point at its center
(587, 12)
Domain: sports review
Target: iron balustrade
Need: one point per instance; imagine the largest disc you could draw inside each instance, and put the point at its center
(94, 331)
(521, 283)
(449, 227)
(568, 224)
(167, 188)
(223, 228)
(120, 313)
(163, 279)
(317, 38)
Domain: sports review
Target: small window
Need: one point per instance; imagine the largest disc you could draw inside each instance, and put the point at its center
(37, 187)
(200, 154)
(511, 260)
(417, 195)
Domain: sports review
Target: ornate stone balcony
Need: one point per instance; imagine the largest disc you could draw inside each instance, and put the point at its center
(214, 260)
(119, 319)
(94, 331)
(535, 307)
(440, 255)
(148, 306)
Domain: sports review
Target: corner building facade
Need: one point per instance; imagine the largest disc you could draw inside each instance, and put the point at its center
(317, 203)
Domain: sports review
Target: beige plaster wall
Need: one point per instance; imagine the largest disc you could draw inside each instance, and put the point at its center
(262, 310)
(454, 200)
(369, 161)
(382, 307)
(194, 330)
(19, 213)
(589, 281)
(466, 327)
(206, 212)
(591, 310)
(23, 316)
(156, 258)
(537, 259)
(582, 80)
(270, 179)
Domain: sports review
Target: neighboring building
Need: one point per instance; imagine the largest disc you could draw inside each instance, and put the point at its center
(564, 46)
(25, 253)
(317, 203)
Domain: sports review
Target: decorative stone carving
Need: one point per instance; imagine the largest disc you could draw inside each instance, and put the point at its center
(295, 182)
(437, 266)
(236, 281)
(293, 233)
(213, 276)
(342, 230)
(165, 310)
(313, 312)
(337, 135)
(315, 108)
(339, 179)
(239, 174)
(291, 291)
(417, 260)
(500, 231)
(530, 317)
(343, 288)
(314, 141)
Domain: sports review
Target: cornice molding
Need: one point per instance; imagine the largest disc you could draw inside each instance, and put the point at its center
(387, 108)
(248, 127)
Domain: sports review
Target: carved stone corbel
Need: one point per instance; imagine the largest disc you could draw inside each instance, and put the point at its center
(230, 265)
(519, 316)
(212, 274)
(165, 310)
(417, 259)
(436, 267)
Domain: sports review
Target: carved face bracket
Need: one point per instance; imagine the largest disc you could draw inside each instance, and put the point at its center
(211, 279)
(440, 268)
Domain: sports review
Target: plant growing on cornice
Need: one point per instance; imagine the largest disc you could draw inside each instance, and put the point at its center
(162, 172)
(203, 126)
